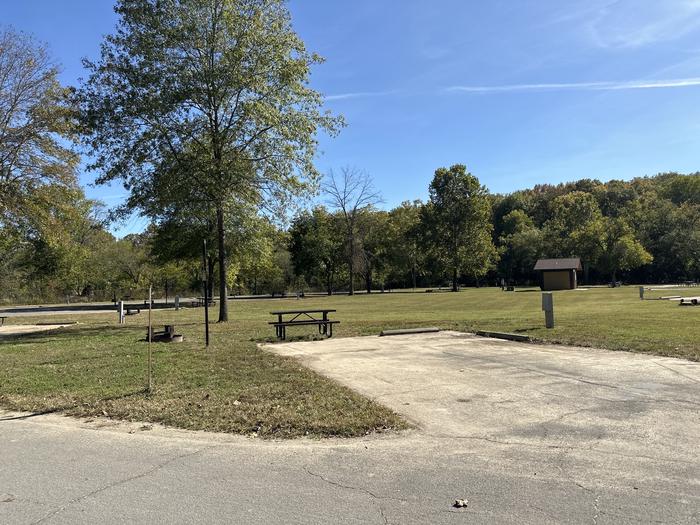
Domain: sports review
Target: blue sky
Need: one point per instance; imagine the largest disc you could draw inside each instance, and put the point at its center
(521, 92)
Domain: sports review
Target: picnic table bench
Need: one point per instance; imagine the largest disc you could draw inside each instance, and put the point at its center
(166, 335)
(2, 320)
(200, 302)
(303, 318)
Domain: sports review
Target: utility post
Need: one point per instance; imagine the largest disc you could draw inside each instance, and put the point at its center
(149, 387)
(205, 280)
(548, 308)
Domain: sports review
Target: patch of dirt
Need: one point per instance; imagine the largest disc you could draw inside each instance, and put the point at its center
(20, 329)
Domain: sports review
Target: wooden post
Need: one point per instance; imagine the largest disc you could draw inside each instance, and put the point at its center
(177, 302)
(548, 307)
(150, 338)
(641, 293)
(120, 312)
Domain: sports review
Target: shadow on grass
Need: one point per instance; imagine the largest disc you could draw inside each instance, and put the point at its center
(528, 329)
(68, 408)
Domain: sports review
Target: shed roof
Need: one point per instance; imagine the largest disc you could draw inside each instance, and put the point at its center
(573, 263)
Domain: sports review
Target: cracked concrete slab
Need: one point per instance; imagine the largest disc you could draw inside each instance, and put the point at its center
(528, 434)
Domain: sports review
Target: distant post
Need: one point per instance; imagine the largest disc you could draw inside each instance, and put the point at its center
(177, 302)
(548, 308)
(120, 311)
(641, 293)
(206, 293)
(150, 338)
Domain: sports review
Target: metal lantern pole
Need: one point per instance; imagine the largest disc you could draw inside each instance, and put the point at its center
(206, 293)
(150, 338)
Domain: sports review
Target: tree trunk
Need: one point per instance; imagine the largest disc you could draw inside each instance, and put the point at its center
(454, 279)
(210, 275)
(351, 260)
(368, 279)
(223, 305)
(329, 282)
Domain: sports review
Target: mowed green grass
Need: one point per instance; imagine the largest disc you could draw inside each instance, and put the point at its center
(97, 368)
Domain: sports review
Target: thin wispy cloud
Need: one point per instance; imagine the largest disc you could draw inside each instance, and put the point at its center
(580, 86)
(360, 94)
(630, 23)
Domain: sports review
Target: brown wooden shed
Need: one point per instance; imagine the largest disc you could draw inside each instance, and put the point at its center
(558, 274)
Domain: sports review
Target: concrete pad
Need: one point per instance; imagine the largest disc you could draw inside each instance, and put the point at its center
(22, 329)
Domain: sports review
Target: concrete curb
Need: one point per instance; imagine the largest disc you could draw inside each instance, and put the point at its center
(407, 331)
(504, 335)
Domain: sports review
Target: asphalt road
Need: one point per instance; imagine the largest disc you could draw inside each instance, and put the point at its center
(527, 434)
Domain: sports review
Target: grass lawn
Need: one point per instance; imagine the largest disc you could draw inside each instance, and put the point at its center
(96, 367)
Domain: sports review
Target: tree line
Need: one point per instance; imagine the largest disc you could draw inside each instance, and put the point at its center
(646, 230)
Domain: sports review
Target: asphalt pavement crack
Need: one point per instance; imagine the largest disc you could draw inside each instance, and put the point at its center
(596, 499)
(677, 372)
(358, 489)
(568, 414)
(118, 483)
(351, 487)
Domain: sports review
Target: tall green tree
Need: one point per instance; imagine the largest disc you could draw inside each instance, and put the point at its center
(458, 222)
(316, 242)
(213, 94)
(373, 229)
(622, 251)
(576, 229)
(404, 248)
(36, 121)
(520, 245)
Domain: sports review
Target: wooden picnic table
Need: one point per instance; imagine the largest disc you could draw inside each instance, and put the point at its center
(302, 318)
(199, 301)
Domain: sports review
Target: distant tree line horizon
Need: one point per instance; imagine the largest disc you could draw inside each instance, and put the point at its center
(646, 230)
